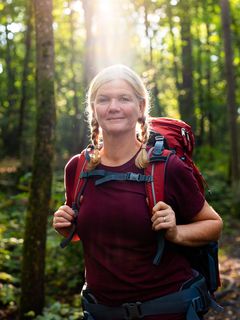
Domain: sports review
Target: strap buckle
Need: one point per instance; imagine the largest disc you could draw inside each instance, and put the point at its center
(133, 176)
(132, 310)
(197, 304)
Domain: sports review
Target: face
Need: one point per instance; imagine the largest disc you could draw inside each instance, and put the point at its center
(117, 108)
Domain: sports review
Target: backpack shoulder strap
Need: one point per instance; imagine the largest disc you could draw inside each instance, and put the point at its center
(157, 169)
(78, 181)
(78, 188)
(155, 192)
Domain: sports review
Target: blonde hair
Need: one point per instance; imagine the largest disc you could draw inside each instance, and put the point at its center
(116, 72)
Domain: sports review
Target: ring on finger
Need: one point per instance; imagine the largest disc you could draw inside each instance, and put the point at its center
(164, 219)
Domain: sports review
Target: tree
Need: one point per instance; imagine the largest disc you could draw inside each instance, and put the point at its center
(199, 70)
(90, 68)
(32, 285)
(77, 144)
(176, 70)
(23, 101)
(152, 71)
(186, 106)
(209, 80)
(231, 87)
(9, 130)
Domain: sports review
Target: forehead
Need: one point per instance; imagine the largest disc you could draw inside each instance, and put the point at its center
(118, 86)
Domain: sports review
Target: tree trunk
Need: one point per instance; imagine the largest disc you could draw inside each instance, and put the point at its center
(89, 59)
(186, 93)
(150, 64)
(147, 33)
(32, 285)
(199, 68)
(78, 119)
(23, 102)
(174, 48)
(8, 130)
(209, 112)
(89, 65)
(231, 94)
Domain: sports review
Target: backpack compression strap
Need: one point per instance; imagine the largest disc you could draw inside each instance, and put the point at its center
(78, 187)
(155, 190)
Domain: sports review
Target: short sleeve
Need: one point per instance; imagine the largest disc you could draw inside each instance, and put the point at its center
(69, 177)
(182, 191)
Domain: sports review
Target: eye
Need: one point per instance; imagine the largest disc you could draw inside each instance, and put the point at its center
(124, 99)
(102, 100)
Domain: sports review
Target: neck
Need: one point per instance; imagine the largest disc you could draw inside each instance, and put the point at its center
(117, 151)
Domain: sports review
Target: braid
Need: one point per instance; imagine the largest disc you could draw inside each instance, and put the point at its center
(95, 158)
(142, 158)
(95, 132)
(144, 130)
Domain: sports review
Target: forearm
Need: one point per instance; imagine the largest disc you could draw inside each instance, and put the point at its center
(197, 233)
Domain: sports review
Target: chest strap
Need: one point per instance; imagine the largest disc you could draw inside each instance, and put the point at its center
(113, 176)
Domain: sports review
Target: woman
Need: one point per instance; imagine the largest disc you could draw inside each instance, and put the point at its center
(117, 233)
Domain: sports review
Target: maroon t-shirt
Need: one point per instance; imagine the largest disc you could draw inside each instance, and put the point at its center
(118, 241)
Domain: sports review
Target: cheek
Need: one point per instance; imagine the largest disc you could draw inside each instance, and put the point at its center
(135, 113)
(97, 113)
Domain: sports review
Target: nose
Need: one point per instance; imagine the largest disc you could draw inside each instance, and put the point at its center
(113, 104)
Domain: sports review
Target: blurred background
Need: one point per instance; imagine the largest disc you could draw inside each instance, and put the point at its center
(187, 52)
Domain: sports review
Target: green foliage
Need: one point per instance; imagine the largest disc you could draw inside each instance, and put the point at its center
(146, 37)
(64, 268)
(214, 166)
(60, 311)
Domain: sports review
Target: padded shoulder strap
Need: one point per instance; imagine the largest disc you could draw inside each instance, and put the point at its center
(78, 188)
(78, 181)
(155, 189)
(155, 193)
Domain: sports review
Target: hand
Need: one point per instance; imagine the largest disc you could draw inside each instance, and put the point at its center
(63, 217)
(163, 218)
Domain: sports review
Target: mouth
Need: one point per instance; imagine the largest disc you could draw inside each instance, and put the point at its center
(112, 119)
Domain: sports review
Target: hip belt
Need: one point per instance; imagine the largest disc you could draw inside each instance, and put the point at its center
(190, 301)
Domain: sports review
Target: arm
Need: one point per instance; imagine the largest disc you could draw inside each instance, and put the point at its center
(206, 225)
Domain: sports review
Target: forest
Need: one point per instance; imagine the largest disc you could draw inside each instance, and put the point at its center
(188, 54)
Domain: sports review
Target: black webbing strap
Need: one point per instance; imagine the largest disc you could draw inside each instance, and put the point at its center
(115, 176)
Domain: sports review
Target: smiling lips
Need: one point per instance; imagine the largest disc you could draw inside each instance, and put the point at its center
(116, 118)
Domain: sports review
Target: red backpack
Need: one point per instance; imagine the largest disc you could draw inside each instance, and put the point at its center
(167, 137)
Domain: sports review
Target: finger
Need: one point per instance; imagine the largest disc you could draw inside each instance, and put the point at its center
(61, 224)
(160, 206)
(164, 222)
(64, 214)
(159, 214)
(67, 209)
(160, 220)
(60, 220)
(160, 224)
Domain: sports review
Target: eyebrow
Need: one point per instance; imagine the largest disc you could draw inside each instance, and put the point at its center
(119, 95)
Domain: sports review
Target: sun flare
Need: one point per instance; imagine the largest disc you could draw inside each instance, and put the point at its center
(111, 33)
(104, 6)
